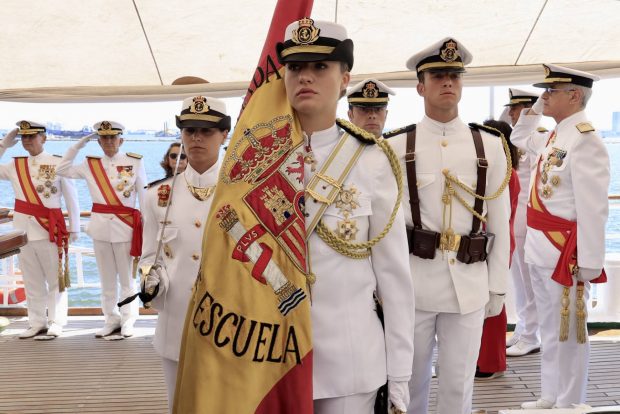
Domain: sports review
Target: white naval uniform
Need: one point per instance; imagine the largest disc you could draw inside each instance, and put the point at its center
(526, 329)
(111, 237)
(180, 255)
(580, 194)
(450, 295)
(39, 258)
(352, 354)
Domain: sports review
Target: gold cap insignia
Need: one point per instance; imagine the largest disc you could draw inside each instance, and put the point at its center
(547, 71)
(105, 126)
(306, 33)
(24, 125)
(370, 90)
(199, 105)
(449, 53)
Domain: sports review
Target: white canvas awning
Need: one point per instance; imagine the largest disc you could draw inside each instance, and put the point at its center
(110, 50)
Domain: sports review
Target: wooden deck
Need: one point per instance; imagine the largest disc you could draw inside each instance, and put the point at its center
(79, 373)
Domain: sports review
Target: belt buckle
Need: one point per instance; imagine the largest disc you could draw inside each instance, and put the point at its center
(449, 241)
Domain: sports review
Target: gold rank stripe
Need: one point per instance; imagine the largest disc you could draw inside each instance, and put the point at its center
(27, 186)
(108, 192)
(369, 100)
(553, 80)
(198, 117)
(519, 100)
(440, 65)
(307, 49)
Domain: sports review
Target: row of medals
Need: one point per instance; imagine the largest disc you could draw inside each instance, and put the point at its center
(47, 173)
(550, 182)
(124, 185)
(346, 202)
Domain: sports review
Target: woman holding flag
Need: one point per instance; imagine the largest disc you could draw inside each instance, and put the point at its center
(304, 227)
(349, 203)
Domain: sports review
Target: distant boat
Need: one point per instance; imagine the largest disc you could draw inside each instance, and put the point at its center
(167, 132)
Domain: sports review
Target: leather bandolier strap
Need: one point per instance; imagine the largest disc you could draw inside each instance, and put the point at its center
(432, 238)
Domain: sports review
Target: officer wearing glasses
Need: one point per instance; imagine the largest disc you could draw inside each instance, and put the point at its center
(566, 217)
(170, 159)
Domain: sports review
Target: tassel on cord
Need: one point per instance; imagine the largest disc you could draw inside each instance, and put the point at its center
(67, 275)
(134, 267)
(61, 273)
(564, 314)
(581, 312)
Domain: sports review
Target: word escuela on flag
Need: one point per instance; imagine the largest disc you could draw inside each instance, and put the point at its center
(247, 340)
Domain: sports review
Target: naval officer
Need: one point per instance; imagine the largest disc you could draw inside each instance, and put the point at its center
(525, 339)
(455, 177)
(204, 125)
(116, 182)
(368, 101)
(346, 375)
(39, 191)
(566, 217)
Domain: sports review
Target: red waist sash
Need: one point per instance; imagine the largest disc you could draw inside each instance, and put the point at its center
(55, 225)
(547, 223)
(136, 238)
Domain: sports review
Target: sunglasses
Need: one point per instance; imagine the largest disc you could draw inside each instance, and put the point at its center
(174, 155)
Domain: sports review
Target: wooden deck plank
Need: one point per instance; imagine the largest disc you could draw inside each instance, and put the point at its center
(79, 373)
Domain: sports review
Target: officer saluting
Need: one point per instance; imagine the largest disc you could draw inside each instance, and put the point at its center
(525, 338)
(368, 101)
(204, 126)
(566, 218)
(456, 175)
(115, 182)
(38, 192)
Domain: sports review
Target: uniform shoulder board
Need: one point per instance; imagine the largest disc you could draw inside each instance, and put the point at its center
(485, 128)
(542, 130)
(56, 155)
(96, 157)
(355, 131)
(161, 180)
(584, 127)
(134, 155)
(399, 131)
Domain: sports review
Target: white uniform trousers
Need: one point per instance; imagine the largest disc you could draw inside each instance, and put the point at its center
(170, 368)
(38, 261)
(356, 403)
(564, 365)
(114, 264)
(525, 302)
(458, 342)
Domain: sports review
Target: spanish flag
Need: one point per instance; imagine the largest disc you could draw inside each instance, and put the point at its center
(247, 340)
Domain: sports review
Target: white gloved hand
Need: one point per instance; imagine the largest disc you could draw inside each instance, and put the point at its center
(9, 139)
(157, 275)
(398, 395)
(494, 305)
(84, 140)
(538, 106)
(505, 117)
(586, 275)
(73, 236)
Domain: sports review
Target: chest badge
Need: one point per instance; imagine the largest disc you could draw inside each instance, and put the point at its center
(163, 195)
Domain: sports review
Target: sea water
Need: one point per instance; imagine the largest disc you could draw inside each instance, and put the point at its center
(153, 151)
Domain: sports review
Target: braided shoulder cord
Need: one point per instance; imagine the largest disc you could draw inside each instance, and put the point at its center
(361, 250)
